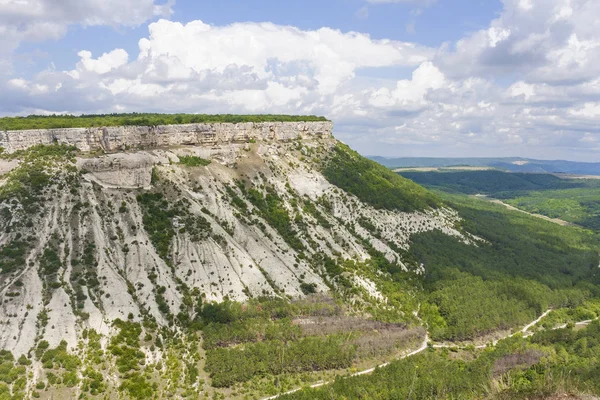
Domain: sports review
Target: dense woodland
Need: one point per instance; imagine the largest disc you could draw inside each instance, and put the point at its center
(561, 361)
(523, 266)
(138, 119)
(573, 200)
(375, 184)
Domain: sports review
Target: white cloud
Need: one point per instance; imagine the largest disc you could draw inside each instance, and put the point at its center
(589, 110)
(104, 63)
(543, 40)
(528, 84)
(410, 93)
(522, 89)
(497, 35)
(40, 20)
(267, 51)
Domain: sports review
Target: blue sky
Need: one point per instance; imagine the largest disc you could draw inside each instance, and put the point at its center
(398, 77)
(431, 25)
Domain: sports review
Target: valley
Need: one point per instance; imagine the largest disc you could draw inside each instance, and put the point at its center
(246, 258)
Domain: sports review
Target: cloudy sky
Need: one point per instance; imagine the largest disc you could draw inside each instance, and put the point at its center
(398, 77)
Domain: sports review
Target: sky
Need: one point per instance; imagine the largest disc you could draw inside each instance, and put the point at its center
(399, 78)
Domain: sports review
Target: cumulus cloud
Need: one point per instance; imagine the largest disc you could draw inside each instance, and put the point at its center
(325, 56)
(544, 40)
(253, 67)
(527, 85)
(40, 20)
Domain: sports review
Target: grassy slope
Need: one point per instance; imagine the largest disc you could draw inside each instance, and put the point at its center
(142, 119)
(374, 184)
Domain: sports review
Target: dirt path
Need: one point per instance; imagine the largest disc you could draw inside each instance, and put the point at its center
(422, 348)
(558, 221)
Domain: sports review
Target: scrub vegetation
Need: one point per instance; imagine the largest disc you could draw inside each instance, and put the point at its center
(139, 119)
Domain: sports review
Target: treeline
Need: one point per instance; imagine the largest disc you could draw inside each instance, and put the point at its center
(230, 365)
(140, 119)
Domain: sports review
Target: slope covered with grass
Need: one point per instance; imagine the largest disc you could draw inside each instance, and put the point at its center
(374, 184)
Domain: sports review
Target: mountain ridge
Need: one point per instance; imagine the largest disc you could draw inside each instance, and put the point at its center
(150, 265)
(511, 164)
(142, 233)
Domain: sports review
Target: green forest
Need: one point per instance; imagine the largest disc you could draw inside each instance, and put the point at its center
(139, 119)
(373, 183)
(572, 200)
(522, 266)
(560, 361)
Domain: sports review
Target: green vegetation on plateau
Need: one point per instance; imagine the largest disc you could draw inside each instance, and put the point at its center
(375, 184)
(139, 119)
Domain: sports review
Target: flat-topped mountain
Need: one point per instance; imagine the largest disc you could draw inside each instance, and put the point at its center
(240, 257)
(127, 132)
(141, 223)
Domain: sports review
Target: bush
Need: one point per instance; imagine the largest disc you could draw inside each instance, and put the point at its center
(193, 161)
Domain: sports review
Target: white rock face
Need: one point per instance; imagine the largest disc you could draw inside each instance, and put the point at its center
(148, 137)
(244, 256)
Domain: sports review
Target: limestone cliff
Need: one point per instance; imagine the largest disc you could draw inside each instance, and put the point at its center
(119, 138)
(134, 234)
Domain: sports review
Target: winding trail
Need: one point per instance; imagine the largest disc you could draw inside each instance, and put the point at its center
(423, 347)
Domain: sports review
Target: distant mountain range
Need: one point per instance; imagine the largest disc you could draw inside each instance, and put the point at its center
(512, 164)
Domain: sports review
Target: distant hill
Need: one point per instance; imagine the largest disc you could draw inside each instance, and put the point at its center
(512, 164)
(495, 183)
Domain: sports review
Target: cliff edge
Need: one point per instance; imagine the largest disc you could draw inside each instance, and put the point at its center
(119, 138)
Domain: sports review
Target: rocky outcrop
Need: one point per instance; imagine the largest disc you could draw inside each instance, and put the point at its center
(118, 138)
